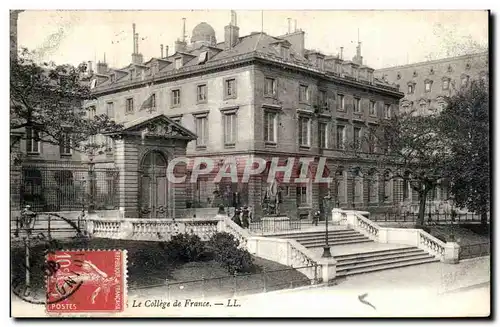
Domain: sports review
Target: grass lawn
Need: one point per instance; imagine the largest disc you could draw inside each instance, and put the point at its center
(149, 266)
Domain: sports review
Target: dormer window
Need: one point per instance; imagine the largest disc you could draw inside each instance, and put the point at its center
(467, 66)
(431, 71)
(320, 63)
(131, 74)
(285, 52)
(178, 63)
(112, 78)
(398, 76)
(446, 83)
(415, 74)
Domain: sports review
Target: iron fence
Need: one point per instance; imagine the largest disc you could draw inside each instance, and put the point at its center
(234, 285)
(437, 218)
(56, 189)
(474, 250)
(275, 226)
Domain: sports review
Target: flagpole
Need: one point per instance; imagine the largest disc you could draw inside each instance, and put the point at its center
(262, 21)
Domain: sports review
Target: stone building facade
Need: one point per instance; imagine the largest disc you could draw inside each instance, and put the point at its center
(254, 96)
(425, 84)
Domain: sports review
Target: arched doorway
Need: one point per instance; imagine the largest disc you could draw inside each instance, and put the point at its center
(153, 186)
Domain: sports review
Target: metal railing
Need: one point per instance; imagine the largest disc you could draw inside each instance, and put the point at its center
(53, 189)
(235, 285)
(474, 250)
(275, 226)
(437, 218)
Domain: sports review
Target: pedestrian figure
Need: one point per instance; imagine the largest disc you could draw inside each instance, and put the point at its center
(236, 217)
(316, 216)
(245, 217)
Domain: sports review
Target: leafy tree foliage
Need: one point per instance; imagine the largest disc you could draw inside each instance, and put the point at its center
(411, 146)
(465, 127)
(48, 99)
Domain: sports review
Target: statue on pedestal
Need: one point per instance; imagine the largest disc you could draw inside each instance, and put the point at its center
(272, 199)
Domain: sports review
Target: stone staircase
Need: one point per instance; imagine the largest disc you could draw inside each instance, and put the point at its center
(359, 263)
(314, 239)
(356, 253)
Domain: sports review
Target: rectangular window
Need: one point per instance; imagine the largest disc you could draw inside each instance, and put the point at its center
(270, 127)
(65, 146)
(371, 142)
(230, 129)
(110, 109)
(373, 108)
(129, 106)
(285, 53)
(322, 99)
(387, 111)
(323, 135)
(109, 144)
(176, 97)
(202, 131)
(270, 87)
(341, 102)
(304, 131)
(32, 141)
(340, 136)
(92, 112)
(428, 86)
(201, 93)
(446, 84)
(230, 88)
(304, 94)
(357, 105)
(153, 100)
(301, 193)
(357, 138)
(178, 63)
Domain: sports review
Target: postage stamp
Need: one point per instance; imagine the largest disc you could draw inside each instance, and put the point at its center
(87, 281)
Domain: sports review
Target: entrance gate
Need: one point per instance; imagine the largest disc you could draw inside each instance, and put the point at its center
(153, 186)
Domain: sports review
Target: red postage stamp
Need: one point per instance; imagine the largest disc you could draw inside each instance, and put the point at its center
(86, 281)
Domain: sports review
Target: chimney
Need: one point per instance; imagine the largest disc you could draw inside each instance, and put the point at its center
(358, 58)
(184, 30)
(136, 56)
(161, 47)
(289, 25)
(341, 53)
(90, 71)
(231, 32)
(102, 68)
(295, 29)
(166, 51)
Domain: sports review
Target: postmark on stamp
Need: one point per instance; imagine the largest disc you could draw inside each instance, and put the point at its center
(87, 281)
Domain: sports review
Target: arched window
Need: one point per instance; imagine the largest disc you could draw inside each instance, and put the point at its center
(387, 186)
(340, 183)
(358, 185)
(373, 186)
(406, 186)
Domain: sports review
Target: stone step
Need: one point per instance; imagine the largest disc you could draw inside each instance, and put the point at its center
(322, 243)
(392, 265)
(307, 235)
(376, 253)
(332, 239)
(381, 261)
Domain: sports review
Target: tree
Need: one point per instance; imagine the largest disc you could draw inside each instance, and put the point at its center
(48, 100)
(411, 145)
(465, 127)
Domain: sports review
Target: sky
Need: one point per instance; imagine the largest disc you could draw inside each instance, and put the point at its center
(389, 38)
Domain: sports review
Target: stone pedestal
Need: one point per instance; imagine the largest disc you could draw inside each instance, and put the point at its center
(337, 216)
(328, 269)
(275, 224)
(451, 253)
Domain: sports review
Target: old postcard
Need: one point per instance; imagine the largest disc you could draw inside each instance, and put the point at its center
(232, 163)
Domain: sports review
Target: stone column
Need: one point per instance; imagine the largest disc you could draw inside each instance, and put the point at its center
(126, 159)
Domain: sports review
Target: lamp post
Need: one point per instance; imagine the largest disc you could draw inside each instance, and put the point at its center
(326, 205)
(91, 183)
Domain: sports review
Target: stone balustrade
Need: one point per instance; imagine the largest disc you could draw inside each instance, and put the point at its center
(446, 252)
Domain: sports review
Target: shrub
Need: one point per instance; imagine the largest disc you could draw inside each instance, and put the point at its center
(222, 240)
(185, 247)
(227, 254)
